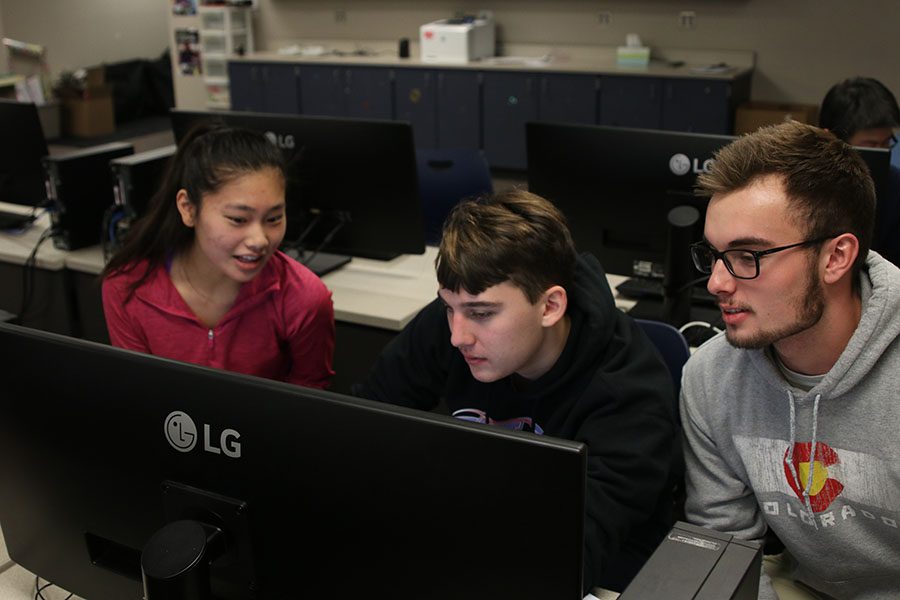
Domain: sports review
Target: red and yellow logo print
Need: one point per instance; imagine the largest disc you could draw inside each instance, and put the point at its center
(824, 488)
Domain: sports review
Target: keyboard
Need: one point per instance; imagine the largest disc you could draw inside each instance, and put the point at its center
(14, 220)
(638, 288)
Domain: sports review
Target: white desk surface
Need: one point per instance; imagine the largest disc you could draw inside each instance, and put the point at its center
(374, 293)
(16, 247)
(383, 294)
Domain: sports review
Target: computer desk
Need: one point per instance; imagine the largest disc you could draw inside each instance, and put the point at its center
(49, 308)
(373, 299)
(17, 583)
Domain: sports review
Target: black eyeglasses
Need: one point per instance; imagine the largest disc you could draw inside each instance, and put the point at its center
(741, 263)
(889, 143)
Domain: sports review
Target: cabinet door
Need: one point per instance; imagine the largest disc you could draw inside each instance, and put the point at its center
(697, 105)
(630, 102)
(369, 93)
(458, 109)
(322, 91)
(509, 101)
(415, 100)
(282, 93)
(568, 99)
(246, 87)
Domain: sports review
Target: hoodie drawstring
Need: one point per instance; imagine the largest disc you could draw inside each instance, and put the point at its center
(813, 449)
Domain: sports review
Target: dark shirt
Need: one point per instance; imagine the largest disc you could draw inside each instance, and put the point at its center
(608, 389)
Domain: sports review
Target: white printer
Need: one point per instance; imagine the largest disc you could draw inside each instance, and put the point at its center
(457, 40)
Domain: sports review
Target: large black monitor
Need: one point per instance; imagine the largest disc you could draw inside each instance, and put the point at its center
(21, 149)
(879, 162)
(352, 182)
(616, 187)
(319, 495)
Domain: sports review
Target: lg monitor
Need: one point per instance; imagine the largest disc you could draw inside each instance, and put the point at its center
(616, 187)
(21, 150)
(352, 185)
(301, 493)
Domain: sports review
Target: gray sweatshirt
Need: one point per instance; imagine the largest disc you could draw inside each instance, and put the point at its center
(749, 438)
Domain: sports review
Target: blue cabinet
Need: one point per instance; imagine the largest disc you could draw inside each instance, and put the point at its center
(459, 109)
(415, 101)
(369, 92)
(566, 98)
(264, 87)
(443, 106)
(702, 106)
(509, 101)
(465, 108)
(322, 91)
(630, 101)
(360, 92)
(512, 99)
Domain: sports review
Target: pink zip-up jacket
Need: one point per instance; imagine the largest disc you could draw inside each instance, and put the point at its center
(281, 325)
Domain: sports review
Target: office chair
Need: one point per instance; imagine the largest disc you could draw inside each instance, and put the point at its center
(672, 347)
(447, 176)
(674, 351)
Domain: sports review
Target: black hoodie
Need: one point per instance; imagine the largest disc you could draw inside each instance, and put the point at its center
(609, 389)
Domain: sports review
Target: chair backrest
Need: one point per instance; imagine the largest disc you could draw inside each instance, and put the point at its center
(446, 176)
(671, 345)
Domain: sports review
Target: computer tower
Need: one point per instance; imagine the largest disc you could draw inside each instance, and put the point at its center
(137, 177)
(695, 563)
(79, 192)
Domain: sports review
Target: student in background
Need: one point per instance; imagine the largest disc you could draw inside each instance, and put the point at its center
(525, 335)
(863, 112)
(791, 416)
(200, 278)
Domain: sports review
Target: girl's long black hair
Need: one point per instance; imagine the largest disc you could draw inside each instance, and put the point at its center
(210, 155)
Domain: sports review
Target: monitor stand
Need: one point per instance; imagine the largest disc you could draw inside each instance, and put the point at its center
(321, 263)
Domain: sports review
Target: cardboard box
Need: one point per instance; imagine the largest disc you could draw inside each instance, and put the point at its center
(49, 114)
(632, 56)
(91, 114)
(750, 116)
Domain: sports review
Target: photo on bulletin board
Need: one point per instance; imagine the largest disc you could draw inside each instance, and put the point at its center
(183, 8)
(187, 41)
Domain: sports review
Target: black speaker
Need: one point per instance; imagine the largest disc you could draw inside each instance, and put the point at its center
(404, 48)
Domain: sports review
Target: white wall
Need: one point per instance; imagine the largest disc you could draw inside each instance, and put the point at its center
(802, 46)
(81, 33)
(4, 63)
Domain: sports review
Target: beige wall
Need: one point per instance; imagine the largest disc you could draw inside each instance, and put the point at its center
(4, 62)
(802, 46)
(80, 33)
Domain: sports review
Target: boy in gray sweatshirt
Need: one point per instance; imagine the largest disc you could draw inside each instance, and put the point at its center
(792, 416)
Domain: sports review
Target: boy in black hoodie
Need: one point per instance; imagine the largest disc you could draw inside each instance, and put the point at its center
(525, 334)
